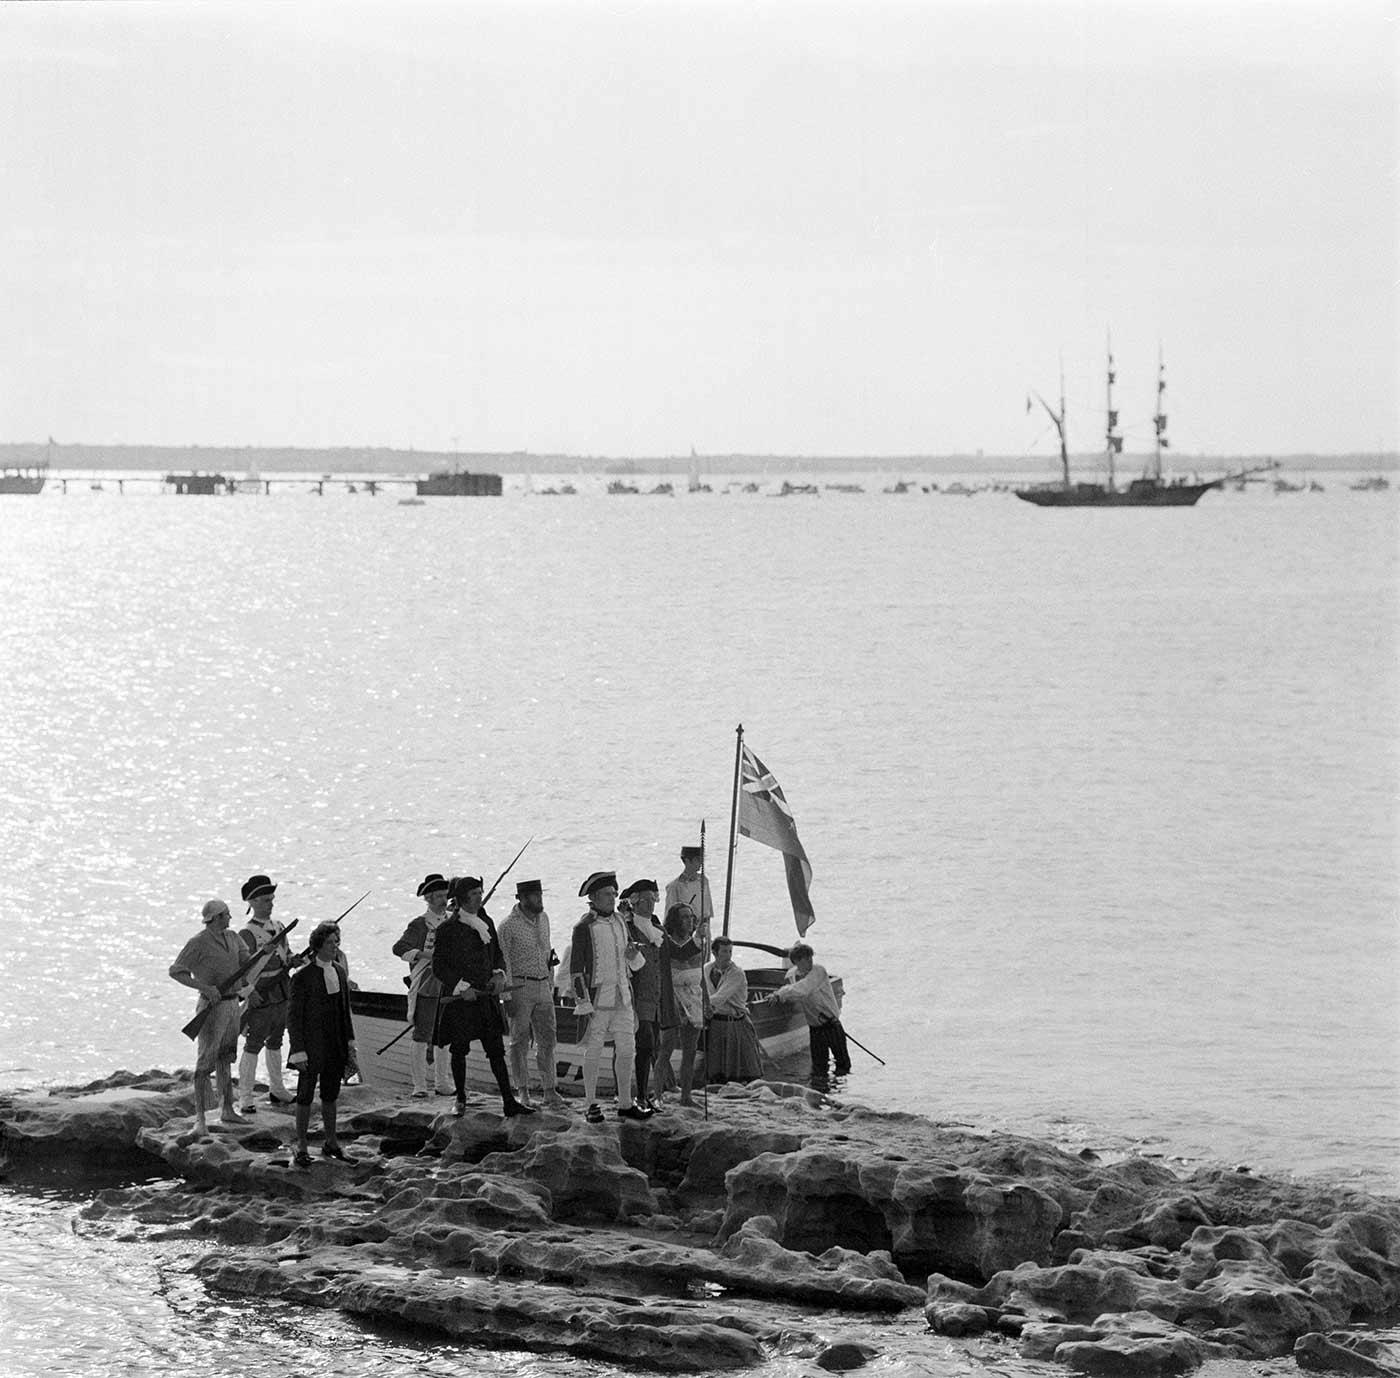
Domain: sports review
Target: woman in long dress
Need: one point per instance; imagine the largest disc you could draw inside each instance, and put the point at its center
(732, 1052)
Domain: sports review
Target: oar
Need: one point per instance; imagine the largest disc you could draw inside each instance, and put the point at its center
(853, 1039)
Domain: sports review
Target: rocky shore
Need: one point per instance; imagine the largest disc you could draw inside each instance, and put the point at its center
(783, 1225)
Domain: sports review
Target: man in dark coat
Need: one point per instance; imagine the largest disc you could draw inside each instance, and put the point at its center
(467, 959)
(652, 999)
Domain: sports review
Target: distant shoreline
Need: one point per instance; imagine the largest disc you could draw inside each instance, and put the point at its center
(239, 460)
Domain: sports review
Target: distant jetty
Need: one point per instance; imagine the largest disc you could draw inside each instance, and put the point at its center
(447, 483)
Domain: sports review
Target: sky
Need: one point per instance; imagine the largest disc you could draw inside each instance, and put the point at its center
(632, 229)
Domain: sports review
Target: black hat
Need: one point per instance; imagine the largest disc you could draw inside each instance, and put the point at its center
(524, 887)
(459, 887)
(597, 880)
(638, 887)
(255, 886)
(433, 881)
(688, 852)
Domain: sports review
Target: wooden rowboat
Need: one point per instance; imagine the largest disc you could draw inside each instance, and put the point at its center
(381, 1015)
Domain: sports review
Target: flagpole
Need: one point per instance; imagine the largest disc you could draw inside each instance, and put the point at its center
(733, 824)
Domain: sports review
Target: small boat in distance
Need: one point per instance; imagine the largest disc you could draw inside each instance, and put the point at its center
(1151, 490)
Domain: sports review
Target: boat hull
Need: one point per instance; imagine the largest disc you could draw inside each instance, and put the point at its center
(1141, 493)
(22, 483)
(380, 1016)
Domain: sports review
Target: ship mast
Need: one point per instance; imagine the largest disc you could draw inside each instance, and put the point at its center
(1059, 419)
(1113, 443)
(1159, 420)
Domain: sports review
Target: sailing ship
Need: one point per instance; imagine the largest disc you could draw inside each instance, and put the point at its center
(381, 1017)
(27, 478)
(1152, 489)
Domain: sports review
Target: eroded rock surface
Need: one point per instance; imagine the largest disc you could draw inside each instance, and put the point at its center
(781, 1224)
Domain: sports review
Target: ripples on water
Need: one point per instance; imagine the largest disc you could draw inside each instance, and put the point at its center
(82, 1302)
(1101, 806)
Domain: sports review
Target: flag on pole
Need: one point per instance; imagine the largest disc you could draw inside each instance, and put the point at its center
(765, 817)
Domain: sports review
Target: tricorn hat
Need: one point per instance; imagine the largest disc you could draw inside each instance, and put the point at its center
(433, 881)
(459, 887)
(524, 887)
(687, 853)
(255, 886)
(640, 887)
(597, 880)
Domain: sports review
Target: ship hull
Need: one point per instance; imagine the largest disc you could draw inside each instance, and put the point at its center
(380, 1016)
(1138, 494)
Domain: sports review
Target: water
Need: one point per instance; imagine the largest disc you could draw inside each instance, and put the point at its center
(1102, 806)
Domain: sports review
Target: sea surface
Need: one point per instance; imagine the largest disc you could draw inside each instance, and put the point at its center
(1101, 806)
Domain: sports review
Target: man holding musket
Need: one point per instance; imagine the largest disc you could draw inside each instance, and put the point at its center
(210, 959)
(265, 1014)
(416, 948)
(467, 959)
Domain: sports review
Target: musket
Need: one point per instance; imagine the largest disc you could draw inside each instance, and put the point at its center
(191, 1030)
(303, 955)
(705, 1028)
(507, 871)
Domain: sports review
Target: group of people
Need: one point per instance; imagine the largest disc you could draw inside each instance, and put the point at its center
(641, 982)
(250, 982)
(649, 986)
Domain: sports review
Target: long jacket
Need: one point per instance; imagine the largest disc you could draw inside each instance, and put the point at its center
(652, 992)
(319, 1024)
(460, 957)
(419, 938)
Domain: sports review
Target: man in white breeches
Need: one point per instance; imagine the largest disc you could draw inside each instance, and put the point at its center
(601, 961)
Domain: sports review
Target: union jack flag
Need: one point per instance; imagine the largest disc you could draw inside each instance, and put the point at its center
(764, 816)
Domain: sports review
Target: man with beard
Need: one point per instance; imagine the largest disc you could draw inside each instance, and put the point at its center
(530, 1008)
(652, 999)
(416, 948)
(601, 960)
(265, 1014)
(467, 959)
